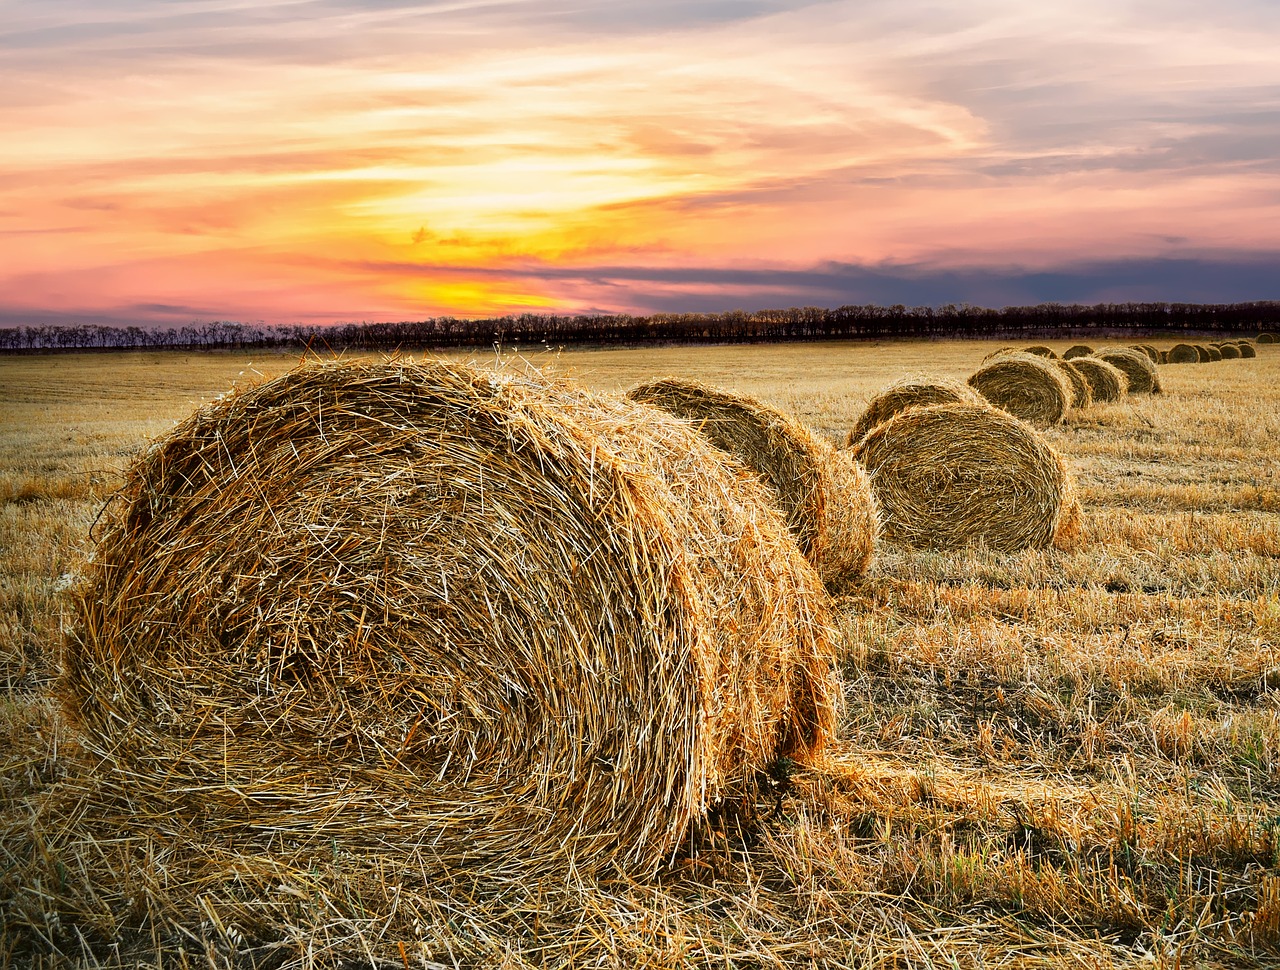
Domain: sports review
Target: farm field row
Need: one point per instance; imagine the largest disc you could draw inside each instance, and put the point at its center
(1048, 758)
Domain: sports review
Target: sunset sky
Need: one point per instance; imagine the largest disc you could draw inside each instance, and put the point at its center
(325, 160)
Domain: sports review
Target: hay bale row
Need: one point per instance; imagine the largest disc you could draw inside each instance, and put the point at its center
(491, 620)
(823, 494)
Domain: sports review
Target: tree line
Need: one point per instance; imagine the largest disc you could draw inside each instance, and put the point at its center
(735, 326)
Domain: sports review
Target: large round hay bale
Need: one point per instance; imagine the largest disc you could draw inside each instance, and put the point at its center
(1081, 394)
(1040, 350)
(1184, 354)
(1107, 382)
(1266, 338)
(506, 624)
(1027, 386)
(1203, 351)
(1247, 349)
(953, 474)
(1212, 353)
(1228, 351)
(824, 496)
(1137, 366)
(916, 391)
(1078, 350)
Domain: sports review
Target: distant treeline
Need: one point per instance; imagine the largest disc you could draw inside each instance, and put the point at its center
(735, 326)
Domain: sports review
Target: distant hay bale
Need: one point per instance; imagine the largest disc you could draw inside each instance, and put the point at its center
(1229, 351)
(1164, 356)
(1079, 350)
(952, 474)
(1107, 383)
(1042, 351)
(1212, 352)
(1152, 354)
(1203, 351)
(1081, 393)
(917, 391)
(1247, 349)
(1027, 386)
(497, 622)
(1001, 352)
(1184, 354)
(1266, 338)
(1137, 366)
(824, 496)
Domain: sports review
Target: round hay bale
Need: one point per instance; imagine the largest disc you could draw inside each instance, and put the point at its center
(1079, 350)
(502, 624)
(1107, 382)
(1137, 366)
(1203, 351)
(1212, 352)
(1000, 352)
(1164, 356)
(1266, 338)
(1081, 394)
(1184, 354)
(1229, 351)
(949, 475)
(919, 391)
(1247, 349)
(1027, 386)
(1042, 351)
(1152, 354)
(822, 493)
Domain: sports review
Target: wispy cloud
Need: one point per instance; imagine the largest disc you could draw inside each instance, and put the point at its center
(219, 153)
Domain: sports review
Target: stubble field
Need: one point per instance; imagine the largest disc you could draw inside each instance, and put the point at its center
(1048, 758)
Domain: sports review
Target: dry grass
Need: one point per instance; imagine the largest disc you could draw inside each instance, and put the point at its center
(1052, 758)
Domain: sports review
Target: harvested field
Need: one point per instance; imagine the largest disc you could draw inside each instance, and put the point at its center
(1059, 758)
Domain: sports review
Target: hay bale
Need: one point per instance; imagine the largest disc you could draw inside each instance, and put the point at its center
(1079, 350)
(1107, 382)
(1027, 386)
(952, 474)
(1211, 352)
(1228, 351)
(1042, 351)
(918, 391)
(1266, 338)
(1081, 394)
(1164, 356)
(506, 625)
(1184, 354)
(1247, 349)
(822, 493)
(1000, 352)
(1152, 354)
(1137, 366)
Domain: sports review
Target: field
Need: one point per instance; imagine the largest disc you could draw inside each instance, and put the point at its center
(1062, 758)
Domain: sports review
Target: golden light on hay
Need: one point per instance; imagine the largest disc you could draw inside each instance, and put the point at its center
(1042, 351)
(1081, 392)
(949, 475)
(506, 624)
(1078, 350)
(1184, 354)
(824, 495)
(1228, 351)
(916, 391)
(1027, 386)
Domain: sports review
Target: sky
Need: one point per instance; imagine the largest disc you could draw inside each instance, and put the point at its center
(313, 161)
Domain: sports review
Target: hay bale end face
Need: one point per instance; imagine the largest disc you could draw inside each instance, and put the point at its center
(1079, 350)
(1228, 351)
(1138, 368)
(1152, 354)
(1184, 354)
(1247, 349)
(1213, 353)
(1040, 350)
(954, 474)
(1028, 387)
(1107, 383)
(1266, 337)
(909, 392)
(824, 496)
(496, 622)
